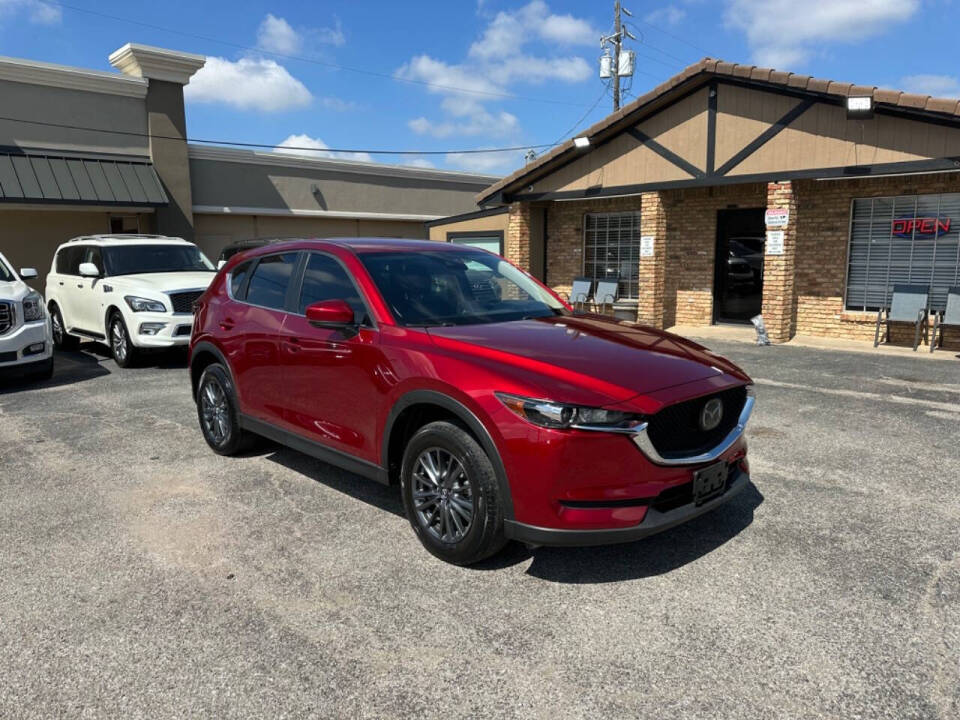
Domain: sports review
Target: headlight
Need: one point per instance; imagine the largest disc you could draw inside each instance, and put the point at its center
(559, 416)
(32, 307)
(139, 304)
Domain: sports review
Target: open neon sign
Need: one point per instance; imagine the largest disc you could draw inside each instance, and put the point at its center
(923, 227)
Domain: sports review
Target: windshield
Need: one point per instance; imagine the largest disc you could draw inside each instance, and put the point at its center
(467, 287)
(137, 259)
(6, 274)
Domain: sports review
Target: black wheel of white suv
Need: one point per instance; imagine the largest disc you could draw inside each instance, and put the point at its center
(451, 495)
(124, 353)
(218, 413)
(61, 339)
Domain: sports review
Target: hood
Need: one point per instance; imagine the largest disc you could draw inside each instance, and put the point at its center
(14, 291)
(618, 359)
(164, 282)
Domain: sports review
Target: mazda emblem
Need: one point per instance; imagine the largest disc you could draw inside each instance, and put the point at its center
(712, 414)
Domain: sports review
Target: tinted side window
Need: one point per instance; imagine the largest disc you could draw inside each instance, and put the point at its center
(92, 255)
(237, 278)
(63, 261)
(270, 280)
(68, 261)
(325, 279)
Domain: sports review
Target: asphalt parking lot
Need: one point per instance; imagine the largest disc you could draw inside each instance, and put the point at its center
(144, 576)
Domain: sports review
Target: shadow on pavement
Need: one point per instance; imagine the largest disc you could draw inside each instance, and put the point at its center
(159, 359)
(652, 556)
(369, 491)
(656, 555)
(68, 368)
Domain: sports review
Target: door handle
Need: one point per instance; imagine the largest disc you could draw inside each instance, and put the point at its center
(61, 283)
(293, 344)
(226, 324)
(80, 285)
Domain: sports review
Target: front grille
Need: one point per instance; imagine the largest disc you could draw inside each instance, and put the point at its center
(183, 301)
(675, 430)
(7, 317)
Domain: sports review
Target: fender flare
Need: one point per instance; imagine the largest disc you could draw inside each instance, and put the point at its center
(463, 413)
(205, 346)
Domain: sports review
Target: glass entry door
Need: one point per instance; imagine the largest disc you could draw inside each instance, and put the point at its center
(738, 265)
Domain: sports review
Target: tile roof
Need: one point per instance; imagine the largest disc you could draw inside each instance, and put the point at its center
(711, 67)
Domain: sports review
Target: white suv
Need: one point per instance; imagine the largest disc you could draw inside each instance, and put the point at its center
(26, 346)
(135, 292)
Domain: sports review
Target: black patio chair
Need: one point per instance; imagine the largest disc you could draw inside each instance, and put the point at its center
(910, 305)
(950, 317)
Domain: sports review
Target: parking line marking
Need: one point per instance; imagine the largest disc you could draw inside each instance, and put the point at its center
(873, 397)
(917, 385)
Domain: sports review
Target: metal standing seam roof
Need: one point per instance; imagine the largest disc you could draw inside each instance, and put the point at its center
(28, 177)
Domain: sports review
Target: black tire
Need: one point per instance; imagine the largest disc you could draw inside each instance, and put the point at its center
(61, 339)
(121, 347)
(438, 518)
(45, 372)
(221, 428)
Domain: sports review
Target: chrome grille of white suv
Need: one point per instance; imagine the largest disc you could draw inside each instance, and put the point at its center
(7, 317)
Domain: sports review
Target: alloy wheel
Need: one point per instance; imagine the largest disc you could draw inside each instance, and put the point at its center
(442, 495)
(57, 327)
(118, 341)
(215, 412)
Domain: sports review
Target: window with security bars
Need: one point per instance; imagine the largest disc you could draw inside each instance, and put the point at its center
(611, 250)
(909, 239)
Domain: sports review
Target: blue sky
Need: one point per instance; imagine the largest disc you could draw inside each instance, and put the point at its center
(440, 73)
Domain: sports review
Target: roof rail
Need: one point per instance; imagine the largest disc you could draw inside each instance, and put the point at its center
(122, 236)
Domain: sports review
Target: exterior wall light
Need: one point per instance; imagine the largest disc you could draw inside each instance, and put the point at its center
(581, 142)
(860, 107)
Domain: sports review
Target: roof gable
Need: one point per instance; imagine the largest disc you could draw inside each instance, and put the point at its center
(718, 121)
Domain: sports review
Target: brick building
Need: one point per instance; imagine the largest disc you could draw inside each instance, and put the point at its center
(816, 196)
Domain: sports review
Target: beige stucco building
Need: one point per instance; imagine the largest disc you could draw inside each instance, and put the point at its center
(87, 151)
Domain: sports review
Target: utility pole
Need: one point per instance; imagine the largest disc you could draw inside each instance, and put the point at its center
(617, 45)
(622, 63)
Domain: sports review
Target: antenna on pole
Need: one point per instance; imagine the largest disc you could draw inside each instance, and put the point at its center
(621, 63)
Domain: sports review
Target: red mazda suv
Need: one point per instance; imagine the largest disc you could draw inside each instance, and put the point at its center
(445, 369)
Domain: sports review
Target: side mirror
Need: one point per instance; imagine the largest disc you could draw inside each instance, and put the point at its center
(333, 314)
(89, 270)
(28, 273)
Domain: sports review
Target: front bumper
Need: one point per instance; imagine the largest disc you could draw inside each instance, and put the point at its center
(175, 332)
(655, 521)
(14, 347)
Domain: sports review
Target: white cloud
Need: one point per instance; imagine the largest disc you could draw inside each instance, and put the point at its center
(339, 104)
(784, 33)
(37, 11)
(247, 84)
(510, 30)
(937, 85)
(315, 147)
(668, 15)
(492, 163)
(420, 163)
(277, 36)
(482, 123)
(424, 68)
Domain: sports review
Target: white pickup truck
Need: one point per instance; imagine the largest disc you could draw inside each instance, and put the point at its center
(26, 344)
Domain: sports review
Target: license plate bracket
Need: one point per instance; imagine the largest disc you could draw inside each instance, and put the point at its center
(710, 482)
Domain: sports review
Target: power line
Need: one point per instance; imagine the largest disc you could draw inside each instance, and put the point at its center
(237, 143)
(678, 38)
(577, 124)
(314, 61)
